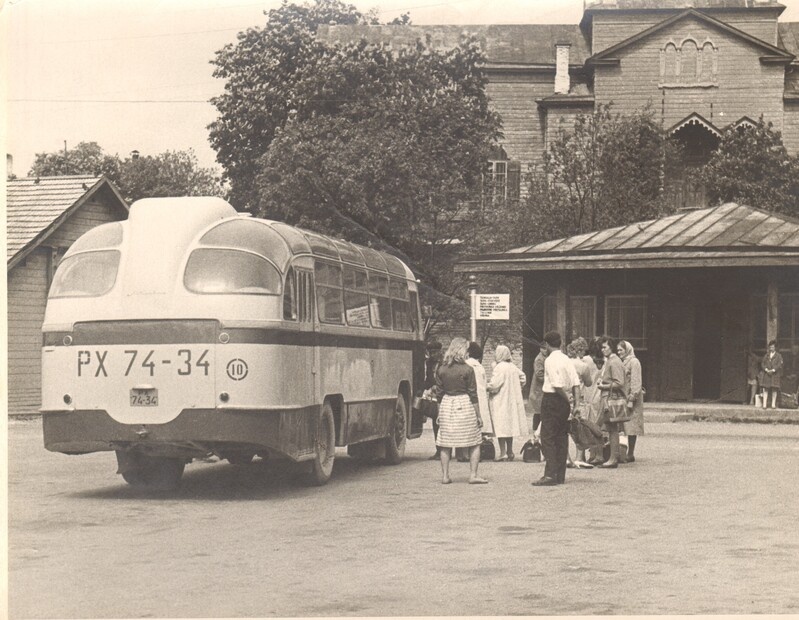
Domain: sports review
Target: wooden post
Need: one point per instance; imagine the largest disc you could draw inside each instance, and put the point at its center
(564, 318)
(772, 311)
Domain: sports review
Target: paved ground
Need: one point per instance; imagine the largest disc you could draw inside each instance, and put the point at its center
(704, 522)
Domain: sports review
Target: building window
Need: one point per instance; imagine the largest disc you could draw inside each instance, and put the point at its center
(688, 64)
(501, 181)
(583, 315)
(787, 322)
(625, 318)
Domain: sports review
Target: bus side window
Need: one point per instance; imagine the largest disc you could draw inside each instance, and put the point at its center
(304, 296)
(400, 305)
(356, 297)
(328, 292)
(290, 297)
(414, 312)
(379, 301)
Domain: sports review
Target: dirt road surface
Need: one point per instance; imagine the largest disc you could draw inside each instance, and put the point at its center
(705, 522)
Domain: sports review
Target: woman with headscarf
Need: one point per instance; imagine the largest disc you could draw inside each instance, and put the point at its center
(506, 402)
(635, 396)
(459, 418)
(613, 398)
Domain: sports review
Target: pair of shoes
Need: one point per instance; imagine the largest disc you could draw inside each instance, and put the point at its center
(545, 482)
(435, 457)
(609, 465)
(510, 456)
(478, 481)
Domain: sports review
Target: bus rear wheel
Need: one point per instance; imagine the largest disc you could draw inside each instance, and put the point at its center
(156, 473)
(324, 447)
(395, 442)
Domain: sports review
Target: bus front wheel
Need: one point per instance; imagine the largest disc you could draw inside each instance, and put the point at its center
(324, 447)
(395, 442)
(156, 473)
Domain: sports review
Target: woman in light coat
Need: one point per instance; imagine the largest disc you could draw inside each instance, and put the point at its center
(506, 402)
(635, 396)
(475, 360)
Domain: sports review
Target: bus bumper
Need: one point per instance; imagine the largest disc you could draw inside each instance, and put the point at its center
(194, 432)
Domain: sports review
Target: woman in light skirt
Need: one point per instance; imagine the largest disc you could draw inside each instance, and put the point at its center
(459, 420)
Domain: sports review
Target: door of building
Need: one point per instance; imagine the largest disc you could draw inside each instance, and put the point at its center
(707, 350)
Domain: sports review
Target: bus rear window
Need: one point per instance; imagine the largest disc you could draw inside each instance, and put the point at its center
(90, 274)
(230, 271)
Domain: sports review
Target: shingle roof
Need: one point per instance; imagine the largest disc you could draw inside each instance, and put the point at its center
(525, 44)
(730, 234)
(678, 4)
(33, 205)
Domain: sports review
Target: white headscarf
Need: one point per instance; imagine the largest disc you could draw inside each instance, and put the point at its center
(502, 354)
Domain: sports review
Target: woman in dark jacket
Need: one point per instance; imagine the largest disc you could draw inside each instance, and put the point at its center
(459, 420)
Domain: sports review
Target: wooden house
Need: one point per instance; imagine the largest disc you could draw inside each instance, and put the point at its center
(44, 217)
(692, 292)
(700, 65)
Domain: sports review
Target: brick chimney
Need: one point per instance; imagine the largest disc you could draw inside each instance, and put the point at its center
(562, 82)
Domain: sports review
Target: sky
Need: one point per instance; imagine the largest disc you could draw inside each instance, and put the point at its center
(136, 74)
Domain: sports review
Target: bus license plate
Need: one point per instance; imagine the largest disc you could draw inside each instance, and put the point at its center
(143, 397)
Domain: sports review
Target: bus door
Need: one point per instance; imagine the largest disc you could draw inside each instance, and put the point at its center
(305, 314)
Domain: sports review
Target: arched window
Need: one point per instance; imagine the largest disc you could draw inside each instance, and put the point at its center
(670, 62)
(707, 61)
(689, 56)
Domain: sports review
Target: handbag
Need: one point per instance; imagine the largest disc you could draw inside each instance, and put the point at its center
(531, 451)
(427, 406)
(616, 410)
(585, 433)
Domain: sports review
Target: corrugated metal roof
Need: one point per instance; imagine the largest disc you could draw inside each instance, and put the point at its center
(727, 226)
(726, 235)
(34, 204)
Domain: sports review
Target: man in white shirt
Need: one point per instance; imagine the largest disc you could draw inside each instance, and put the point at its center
(561, 385)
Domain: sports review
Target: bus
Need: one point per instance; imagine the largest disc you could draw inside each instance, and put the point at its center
(190, 330)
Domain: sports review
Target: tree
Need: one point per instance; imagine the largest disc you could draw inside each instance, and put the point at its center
(606, 170)
(259, 73)
(382, 146)
(171, 173)
(85, 158)
(752, 166)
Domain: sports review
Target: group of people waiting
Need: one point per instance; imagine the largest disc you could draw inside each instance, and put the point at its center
(602, 385)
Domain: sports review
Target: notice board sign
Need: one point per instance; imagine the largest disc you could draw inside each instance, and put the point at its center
(492, 307)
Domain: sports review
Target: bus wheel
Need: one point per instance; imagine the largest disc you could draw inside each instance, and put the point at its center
(324, 447)
(154, 472)
(395, 443)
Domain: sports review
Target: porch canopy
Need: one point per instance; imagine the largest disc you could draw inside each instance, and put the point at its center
(726, 236)
(692, 291)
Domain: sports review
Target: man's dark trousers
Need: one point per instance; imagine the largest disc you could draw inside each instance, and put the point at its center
(555, 412)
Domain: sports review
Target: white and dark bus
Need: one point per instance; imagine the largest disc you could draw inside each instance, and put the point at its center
(190, 330)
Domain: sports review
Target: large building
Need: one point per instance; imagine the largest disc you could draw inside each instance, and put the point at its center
(701, 65)
(693, 291)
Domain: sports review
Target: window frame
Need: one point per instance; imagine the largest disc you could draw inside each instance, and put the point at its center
(616, 333)
(218, 248)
